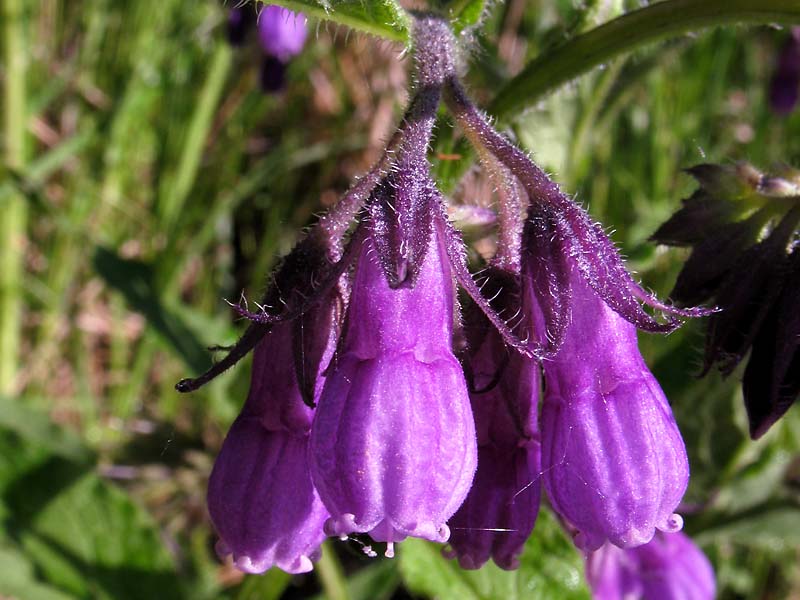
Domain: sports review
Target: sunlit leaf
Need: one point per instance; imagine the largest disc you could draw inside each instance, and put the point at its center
(384, 18)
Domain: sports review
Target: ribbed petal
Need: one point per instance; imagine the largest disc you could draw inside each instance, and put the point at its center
(416, 319)
(393, 446)
(613, 460)
(262, 502)
(670, 567)
(501, 509)
(393, 442)
(260, 496)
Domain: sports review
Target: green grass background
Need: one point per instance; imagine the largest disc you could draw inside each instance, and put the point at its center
(146, 178)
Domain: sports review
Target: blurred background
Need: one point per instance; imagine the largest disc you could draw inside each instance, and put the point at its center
(147, 177)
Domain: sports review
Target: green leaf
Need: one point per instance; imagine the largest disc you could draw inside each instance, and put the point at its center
(37, 429)
(79, 533)
(136, 281)
(772, 527)
(653, 23)
(464, 14)
(384, 18)
(87, 537)
(375, 582)
(550, 568)
(269, 586)
(19, 580)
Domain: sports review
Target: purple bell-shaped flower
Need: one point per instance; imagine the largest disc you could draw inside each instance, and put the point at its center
(260, 495)
(613, 460)
(500, 511)
(669, 567)
(393, 448)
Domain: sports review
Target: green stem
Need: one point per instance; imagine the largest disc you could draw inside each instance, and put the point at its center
(13, 223)
(627, 33)
(330, 575)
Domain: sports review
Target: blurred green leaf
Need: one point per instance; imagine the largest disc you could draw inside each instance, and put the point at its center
(88, 537)
(269, 586)
(465, 13)
(19, 580)
(773, 527)
(385, 18)
(135, 280)
(627, 33)
(550, 568)
(80, 533)
(37, 429)
(375, 582)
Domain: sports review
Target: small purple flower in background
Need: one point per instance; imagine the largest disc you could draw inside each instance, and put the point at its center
(784, 88)
(281, 32)
(240, 21)
(281, 35)
(670, 567)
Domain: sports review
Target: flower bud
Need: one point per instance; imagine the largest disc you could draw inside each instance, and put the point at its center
(282, 33)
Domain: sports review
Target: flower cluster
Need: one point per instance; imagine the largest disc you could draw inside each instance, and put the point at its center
(421, 419)
(743, 228)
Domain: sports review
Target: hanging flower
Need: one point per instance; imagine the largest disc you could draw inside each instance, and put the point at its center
(393, 443)
(500, 511)
(260, 496)
(614, 462)
(669, 567)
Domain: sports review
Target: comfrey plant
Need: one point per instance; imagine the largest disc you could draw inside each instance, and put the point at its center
(378, 407)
